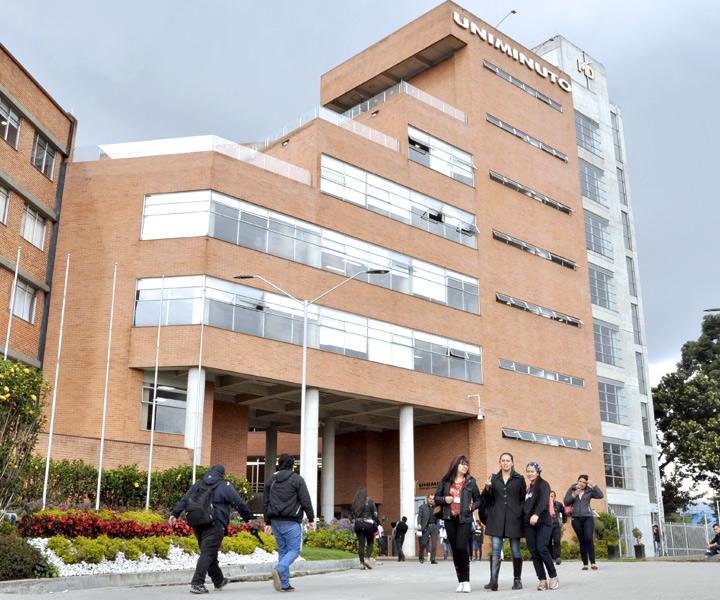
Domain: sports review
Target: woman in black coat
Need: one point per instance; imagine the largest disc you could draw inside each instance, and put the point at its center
(459, 496)
(504, 495)
(537, 526)
(364, 524)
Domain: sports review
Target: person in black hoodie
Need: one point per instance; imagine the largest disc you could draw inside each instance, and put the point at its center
(537, 525)
(210, 537)
(285, 499)
(504, 495)
(459, 496)
(365, 524)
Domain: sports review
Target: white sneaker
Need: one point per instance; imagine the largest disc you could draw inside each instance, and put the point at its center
(466, 589)
(460, 588)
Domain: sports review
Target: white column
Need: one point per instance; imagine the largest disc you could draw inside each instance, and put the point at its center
(195, 408)
(309, 454)
(407, 476)
(270, 451)
(327, 508)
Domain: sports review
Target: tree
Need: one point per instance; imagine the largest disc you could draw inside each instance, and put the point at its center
(22, 390)
(687, 419)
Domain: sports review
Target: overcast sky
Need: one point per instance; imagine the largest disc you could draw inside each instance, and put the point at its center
(133, 70)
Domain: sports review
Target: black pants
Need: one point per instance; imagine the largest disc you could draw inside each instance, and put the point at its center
(399, 547)
(459, 534)
(210, 540)
(429, 536)
(366, 535)
(554, 545)
(585, 528)
(537, 537)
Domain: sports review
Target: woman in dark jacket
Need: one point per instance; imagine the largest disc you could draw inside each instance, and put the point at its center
(365, 524)
(504, 495)
(459, 496)
(537, 526)
(583, 520)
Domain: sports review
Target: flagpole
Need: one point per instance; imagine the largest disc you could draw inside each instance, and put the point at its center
(57, 370)
(107, 376)
(154, 404)
(200, 401)
(12, 303)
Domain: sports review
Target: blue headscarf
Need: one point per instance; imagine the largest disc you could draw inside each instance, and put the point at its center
(537, 467)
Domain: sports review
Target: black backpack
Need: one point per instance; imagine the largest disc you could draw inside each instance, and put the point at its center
(200, 509)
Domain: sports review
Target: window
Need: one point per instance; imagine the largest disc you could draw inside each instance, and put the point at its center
(616, 136)
(440, 156)
(516, 243)
(4, 203)
(541, 373)
(621, 186)
(388, 198)
(538, 310)
(527, 138)
(248, 310)
(631, 276)
(522, 86)
(518, 187)
(636, 323)
(652, 490)
(548, 440)
(626, 230)
(597, 234)
(25, 301)
(616, 467)
(43, 155)
(613, 408)
(644, 414)
(640, 363)
(602, 289)
(607, 343)
(33, 227)
(9, 122)
(170, 409)
(588, 134)
(592, 182)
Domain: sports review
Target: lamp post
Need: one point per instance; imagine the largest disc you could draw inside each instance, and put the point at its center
(309, 462)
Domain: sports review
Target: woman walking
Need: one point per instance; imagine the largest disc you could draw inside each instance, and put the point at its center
(365, 523)
(459, 496)
(537, 526)
(583, 521)
(504, 495)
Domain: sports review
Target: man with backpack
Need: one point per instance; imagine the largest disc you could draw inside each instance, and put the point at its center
(285, 499)
(207, 504)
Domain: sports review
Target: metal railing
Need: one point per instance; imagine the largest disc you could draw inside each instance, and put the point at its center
(684, 538)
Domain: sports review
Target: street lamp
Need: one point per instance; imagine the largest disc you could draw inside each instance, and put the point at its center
(309, 462)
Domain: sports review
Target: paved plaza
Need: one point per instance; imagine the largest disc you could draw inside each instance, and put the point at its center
(656, 580)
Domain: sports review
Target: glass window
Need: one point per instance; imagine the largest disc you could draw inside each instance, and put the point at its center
(616, 465)
(602, 288)
(25, 300)
(597, 234)
(522, 86)
(607, 343)
(440, 156)
(644, 414)
(613, 408)
(518, 187)
(170, 403)
(4, 203)
(626, 230)
(640, 363)
(9, 122)
(541, 373)
(527, 247)
(616, 136)
(636, 323)
(33, 227)
(652, 490)
(548, 440)
(538, 310)
(43, 155)
(527, 138)
(631, 276)
(588, 134)
(621, 186)
(592, 183)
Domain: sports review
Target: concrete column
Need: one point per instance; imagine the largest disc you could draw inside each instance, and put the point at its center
(194, 409)
(327, 508)
(309, 454)
(270, 451)
(407, 476)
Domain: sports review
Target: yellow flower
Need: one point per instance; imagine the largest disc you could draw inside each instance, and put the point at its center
(26, 370)
(6, 388)
(137, 484)
(33, 396)
(177, 478)
(37, 468)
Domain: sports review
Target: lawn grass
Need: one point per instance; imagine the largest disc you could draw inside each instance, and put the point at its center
(310, 553)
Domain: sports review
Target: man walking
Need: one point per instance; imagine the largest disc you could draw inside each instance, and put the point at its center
(221, 497)
(428, 528)
(285, 499)
(400, 529)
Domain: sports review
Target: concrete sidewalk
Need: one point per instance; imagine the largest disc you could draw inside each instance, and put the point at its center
(654, 580)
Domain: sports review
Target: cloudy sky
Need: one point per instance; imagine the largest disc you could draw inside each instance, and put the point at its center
(135, 70)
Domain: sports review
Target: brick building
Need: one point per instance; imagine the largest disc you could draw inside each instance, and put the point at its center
(445, 157)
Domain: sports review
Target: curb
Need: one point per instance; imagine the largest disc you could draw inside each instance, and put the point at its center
(251, 572)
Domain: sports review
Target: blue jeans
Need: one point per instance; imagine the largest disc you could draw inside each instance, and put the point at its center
(497, 544)
(288, 536)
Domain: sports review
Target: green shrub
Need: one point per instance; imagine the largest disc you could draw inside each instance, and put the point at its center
(18, 559)
(89, 550)
(242, 543)
(570, 551)
(188, 544)
(63, 548)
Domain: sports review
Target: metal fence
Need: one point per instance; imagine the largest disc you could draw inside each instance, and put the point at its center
(682, 538)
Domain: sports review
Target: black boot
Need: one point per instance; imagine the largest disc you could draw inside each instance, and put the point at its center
(494, 573)
(517, 573)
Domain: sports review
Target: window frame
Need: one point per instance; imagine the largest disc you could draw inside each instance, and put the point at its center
(602, 287)
(613, 403)
(618, 465)
(32, 219)
(587, 133)
(607, 343)
(43, 150)
(598, 236)
(5, 195)
(460, 162)
(27, 294)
